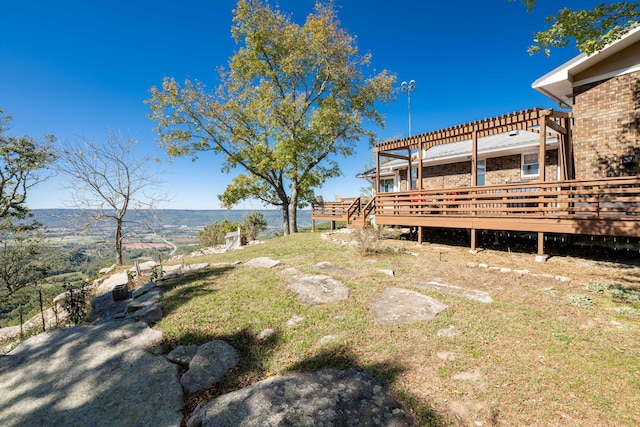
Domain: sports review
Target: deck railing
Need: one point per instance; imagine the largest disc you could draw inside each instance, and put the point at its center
(610, 197)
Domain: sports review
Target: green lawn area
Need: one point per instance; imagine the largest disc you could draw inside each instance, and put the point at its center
(529, 358)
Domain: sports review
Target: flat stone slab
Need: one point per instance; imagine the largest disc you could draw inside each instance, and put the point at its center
(325, 398)
(263, 262)
(396, 305)
(318, 289)
(210, 363)
(90, 375)
(330, 268)
(473, 294)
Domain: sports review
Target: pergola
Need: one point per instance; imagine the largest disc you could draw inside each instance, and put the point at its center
(543, 121)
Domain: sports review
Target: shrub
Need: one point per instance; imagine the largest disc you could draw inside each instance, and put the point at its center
(214, 234)
(76, 303)
(254, 224)
(580, 300)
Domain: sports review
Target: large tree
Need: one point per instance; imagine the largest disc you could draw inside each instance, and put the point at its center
(292, 100)
(107, 180)
(592, 29)
(22, 161)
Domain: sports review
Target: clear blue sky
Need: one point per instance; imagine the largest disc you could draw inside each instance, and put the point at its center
(77, 68)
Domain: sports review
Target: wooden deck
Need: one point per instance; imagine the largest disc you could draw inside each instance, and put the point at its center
(604, 207)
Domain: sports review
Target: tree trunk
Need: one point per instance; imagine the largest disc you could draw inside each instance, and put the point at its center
(293, 207)
(118, 241)
(285, 219)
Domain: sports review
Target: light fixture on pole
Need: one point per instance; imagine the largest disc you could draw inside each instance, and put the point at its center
(408, 88)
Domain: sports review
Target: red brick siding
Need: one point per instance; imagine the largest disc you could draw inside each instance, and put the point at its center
(606, 126)
(499, 170)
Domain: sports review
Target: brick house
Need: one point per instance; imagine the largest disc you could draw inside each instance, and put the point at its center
(603, 92)
(541, 171)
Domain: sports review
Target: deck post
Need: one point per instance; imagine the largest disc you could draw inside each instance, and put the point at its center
(420, 235)
(473, 239)
(333, 225)
(540, 243)
(313, 225)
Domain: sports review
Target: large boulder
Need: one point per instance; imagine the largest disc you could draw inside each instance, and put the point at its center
(210, 363)
(90, 375)
(325, 398)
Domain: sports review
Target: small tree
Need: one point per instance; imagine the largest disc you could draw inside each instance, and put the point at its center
(214, 234)
(21, 161)
(254, 224)
(107, 180)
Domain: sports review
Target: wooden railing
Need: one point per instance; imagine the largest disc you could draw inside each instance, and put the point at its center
(610, 197)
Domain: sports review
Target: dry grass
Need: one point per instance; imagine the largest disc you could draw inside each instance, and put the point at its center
(528, 358)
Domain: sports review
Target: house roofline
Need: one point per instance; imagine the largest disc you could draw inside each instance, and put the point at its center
(558, 84)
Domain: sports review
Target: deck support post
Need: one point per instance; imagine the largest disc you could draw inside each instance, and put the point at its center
(473, 239)
(313, 225)
(420, 235)
(540, 243)
(333, 225)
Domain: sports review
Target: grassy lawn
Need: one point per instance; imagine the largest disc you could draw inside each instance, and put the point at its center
(529, 358)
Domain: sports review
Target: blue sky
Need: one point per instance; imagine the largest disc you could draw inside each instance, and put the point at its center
(77, 68)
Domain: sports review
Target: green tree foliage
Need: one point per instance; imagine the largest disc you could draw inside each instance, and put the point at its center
(293, 99)
(254, 224)
(592, 29)
(214, 234)
(22, 160)
(107, 180)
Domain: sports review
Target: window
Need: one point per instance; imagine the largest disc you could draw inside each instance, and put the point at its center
(414, 178)
(480, 172)
(386, 185)
(530, 165)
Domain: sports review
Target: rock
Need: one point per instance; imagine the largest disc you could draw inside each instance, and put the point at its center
(291, 323)
(145, 300)
(403, 305)
(542, 258)
(143, 289)
(263, 262)
(473, 294)
(265, 334)
(182, 354)
(211, 362)
(291, 271)
(386, 272)
(106, 270)
(148, 315)
(91, 375)
(146, 266)
(447, 356)
(110, 282)
(318, 289)
(449, 332)
(330, 268)
(324, 398)
(326, 339)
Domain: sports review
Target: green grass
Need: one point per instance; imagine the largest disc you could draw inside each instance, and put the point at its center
(540, 364)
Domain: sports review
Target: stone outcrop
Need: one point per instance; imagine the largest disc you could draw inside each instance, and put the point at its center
(318, 289)
(473, 294)
(402, 305)
(90, 375)
(208, 365)
(329, 397)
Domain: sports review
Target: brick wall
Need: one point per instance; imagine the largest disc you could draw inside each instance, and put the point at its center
(606, 126)
(499, 170)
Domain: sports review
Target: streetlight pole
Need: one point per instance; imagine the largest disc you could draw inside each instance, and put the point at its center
(408, 88)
